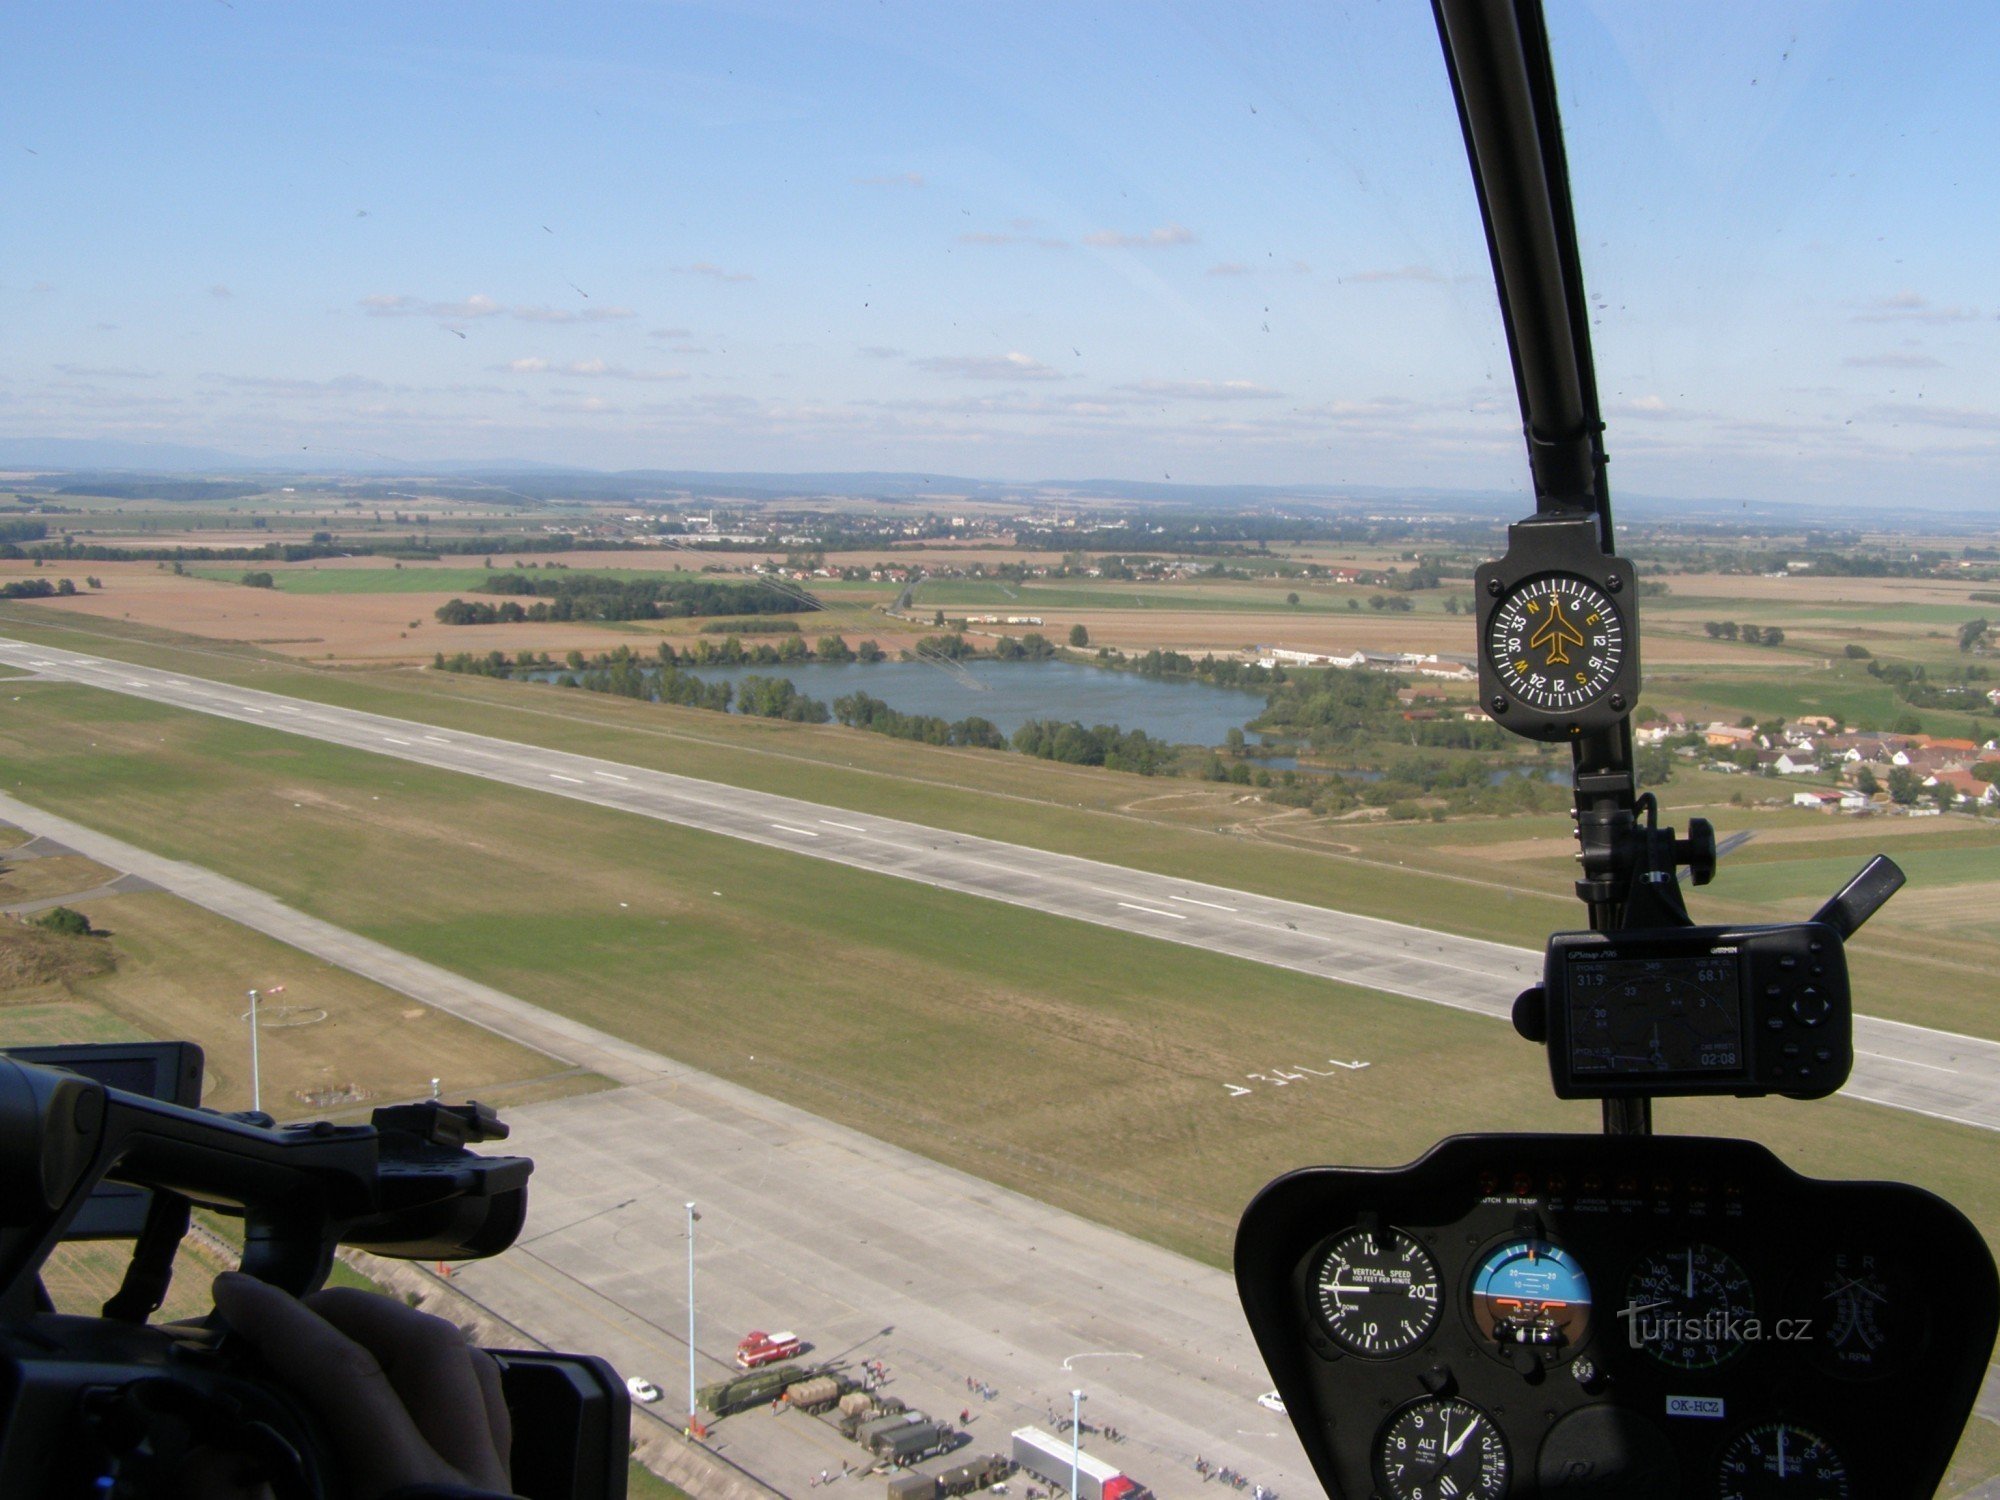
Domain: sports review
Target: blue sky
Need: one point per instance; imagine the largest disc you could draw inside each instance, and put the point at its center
(1217, 242)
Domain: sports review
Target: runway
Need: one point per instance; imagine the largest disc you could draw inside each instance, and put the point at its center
(1935, 1073)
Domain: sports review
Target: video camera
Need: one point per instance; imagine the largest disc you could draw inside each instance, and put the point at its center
(102, 1142)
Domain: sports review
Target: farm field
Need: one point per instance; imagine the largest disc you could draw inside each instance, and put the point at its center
(332, 1044)
(1193, 828)
(1008, 1042)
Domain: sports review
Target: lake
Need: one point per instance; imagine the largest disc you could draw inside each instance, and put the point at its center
(1179, 710)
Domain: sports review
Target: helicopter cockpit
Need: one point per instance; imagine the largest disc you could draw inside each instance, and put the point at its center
(1629, 1314)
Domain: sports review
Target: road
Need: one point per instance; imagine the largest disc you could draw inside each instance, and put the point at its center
(1935, 1073)
(870, 1251)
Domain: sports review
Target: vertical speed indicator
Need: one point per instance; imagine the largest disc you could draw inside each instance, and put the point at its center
(1556, 642)
(1376, 1291)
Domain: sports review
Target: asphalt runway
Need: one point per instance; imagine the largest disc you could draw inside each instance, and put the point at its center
(1935, 1073)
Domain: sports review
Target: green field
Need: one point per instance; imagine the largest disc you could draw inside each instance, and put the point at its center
(1011, 1043)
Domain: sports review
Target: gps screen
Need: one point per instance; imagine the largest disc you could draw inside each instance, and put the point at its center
(1664, 1015)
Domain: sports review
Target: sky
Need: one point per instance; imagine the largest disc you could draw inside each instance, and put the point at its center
(1217, 243)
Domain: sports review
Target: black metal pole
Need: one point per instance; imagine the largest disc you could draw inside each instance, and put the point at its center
(1504, 82)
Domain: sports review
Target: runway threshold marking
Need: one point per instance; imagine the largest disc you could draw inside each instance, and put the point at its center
(802, 832)
(1153, 911)
(1211, 905)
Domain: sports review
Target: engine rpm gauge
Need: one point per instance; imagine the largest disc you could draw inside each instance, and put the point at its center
(1780, 1461)
(1689, 1306)
(1866, 1321)
(1531, 1292)
(1441, 1449)
(1555, 642)
(1376, 1291)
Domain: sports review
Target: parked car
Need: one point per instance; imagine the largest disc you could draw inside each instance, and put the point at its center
(1272, 1401)
(642, 1389)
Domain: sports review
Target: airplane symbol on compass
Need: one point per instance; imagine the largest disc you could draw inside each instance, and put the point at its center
(1557, 635)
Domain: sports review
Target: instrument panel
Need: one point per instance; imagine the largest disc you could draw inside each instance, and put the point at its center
(1650, 1317)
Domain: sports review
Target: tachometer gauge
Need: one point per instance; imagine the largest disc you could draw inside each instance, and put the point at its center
(1531, 1292)
(1376, 1292)
(1689, 1307)
(1441, 1448)
(1864, 1321)
(1556, 642)
(1780, 1461)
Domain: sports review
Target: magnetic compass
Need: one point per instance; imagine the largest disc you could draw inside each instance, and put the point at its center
(1558, 631)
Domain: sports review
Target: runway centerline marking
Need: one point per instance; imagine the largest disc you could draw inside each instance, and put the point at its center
(389, 737)
(1212, 905)
(437, 739)
(572, 780)
(1907, 1061)
(802, 832)
(613, 776)
(1153, 911)
(850, 827)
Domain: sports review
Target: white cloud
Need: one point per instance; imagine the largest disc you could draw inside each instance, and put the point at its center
(1397, 273)
(1166, 234)
(535, 364)
(1203, 390)
(710, 269)
(1012, 366)
(1893, 362)
(1910, 307)
(991, 237)
(384, 305)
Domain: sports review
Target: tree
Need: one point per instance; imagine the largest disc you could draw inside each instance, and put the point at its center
(1654, 765)
(1353, 603)
(1234, 741)
(66, 588)
(1972, 634)
(1987, 771)
(1858, 653)
(1773, 636)
(1865, 781)
(1078, 636)
(937, 619)
(257, 581)
(1451, 605)
(1944, 795)
(1293, 600)
(67, 921)
(1907, 724)
(1904, 785)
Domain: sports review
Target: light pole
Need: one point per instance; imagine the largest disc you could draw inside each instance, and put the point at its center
(694, 1412)
(1075, 1440)
(256, 1087)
